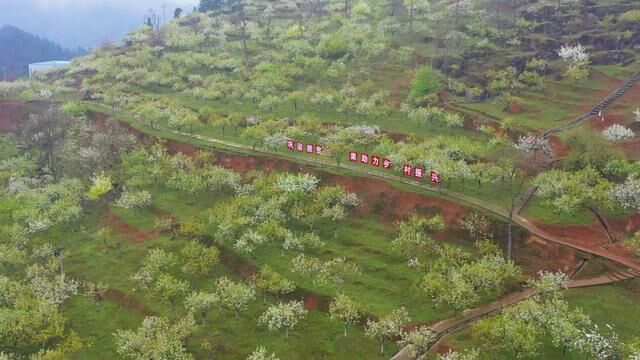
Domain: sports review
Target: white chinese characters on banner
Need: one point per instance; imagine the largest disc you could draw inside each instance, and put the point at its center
(435, 177)
(364, 158)
(418, 172)
(373, 160)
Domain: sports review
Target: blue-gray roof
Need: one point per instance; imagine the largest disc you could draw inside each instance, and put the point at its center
(55, 62)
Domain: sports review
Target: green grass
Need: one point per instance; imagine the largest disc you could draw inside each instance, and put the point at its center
(616, 305)
(385, 284)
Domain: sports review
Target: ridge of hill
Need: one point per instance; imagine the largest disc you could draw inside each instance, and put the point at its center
(18, 48)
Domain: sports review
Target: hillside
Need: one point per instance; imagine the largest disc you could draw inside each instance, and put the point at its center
(19, 48)
(331, 180)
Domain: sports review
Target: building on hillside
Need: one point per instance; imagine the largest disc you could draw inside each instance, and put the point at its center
(44, 66)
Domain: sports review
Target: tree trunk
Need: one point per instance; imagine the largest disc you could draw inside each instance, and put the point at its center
(509, 234)
(603, 222)
(286, 333)
(345, 328)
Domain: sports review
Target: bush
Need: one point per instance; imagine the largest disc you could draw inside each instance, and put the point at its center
(630, 17)
(617, 132)
(334, 46)
(75, 109)
(426, 81)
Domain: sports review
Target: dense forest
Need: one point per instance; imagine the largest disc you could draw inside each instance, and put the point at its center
(19, 48)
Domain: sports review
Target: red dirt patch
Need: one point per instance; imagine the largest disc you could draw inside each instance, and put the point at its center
(311, 303)
(243, 268)
(633, 224)
(592, 235)
(598, 124)
(127, 301)
(537, 254)
(131, 232)
(10, 114)
(559, 147)
(443, 348)
(392, 204)
(516, 109)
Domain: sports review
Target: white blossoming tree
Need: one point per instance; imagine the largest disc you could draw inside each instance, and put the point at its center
(388, 326)
(345, 309)
(627, 194)
(418, 341)
(283, 316)
(270, 281)
(137, 200)
(200, 302)
(578, 59)
(261, 353)
(233, 295)
(617, 132)
(297, 183)
(157, 338)
(534, 144)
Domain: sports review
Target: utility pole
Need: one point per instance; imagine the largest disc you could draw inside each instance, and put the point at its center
(164, 13)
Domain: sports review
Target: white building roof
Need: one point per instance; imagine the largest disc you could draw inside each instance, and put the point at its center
(54, 62)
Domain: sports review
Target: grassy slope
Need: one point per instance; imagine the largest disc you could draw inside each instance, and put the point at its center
(384, 284)
(617, 305)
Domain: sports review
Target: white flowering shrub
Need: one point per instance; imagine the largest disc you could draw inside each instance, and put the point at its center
(617, 132)
(134, 200)
(297, 183)
(574, 54)
(283, 316)
(261, 353)
(534, 144)
(10, 88)
(627, 194)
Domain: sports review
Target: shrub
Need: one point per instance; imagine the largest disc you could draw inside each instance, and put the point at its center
(630, 17)
(425, 82)
(633, 244)
(75, 109)
(617, 132)
(334, 46)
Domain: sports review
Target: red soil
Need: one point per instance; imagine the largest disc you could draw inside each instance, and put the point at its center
(537, 254)
(311, 303)
(392, 204)
(516, 109)
(127, 301)
(239, 266)
(10, 113)
(559, 147)
(593, 235)
(443, 348)
(131, 232)
(598, 124)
